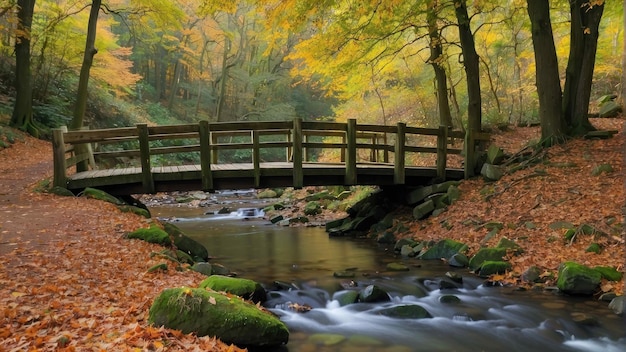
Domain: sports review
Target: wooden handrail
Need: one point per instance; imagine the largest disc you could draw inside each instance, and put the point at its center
(208, 139)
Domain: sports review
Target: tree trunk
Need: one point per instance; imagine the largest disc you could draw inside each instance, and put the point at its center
(83, 82)
(624, 64)
(22, 116)
(470, 62)
(582, 56)
(547, 73)
(436, 60)
(219, 113)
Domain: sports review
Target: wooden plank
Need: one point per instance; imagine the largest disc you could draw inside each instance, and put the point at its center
(174, 129)
(399, 155)
(298, 175)
(351, 175)
(92, 136)
(144, 150)
(205, 156)
(323, 126)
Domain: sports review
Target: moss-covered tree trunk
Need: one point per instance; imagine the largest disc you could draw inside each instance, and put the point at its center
(436, 60)
(470, 62)
(22, 116)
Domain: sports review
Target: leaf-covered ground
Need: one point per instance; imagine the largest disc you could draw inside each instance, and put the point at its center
(561, 188)
(68, 279)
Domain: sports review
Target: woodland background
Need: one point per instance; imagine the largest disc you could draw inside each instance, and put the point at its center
(179, 61)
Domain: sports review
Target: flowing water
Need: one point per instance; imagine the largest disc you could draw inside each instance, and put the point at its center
(303, 261)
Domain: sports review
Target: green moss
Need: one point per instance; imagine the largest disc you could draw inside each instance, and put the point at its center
(245, 288)
(153, 234)
(444, 249)
(135, 210)
(490, 267)
(486, 254)
(205, 313)
(609, 273)
(100, 195)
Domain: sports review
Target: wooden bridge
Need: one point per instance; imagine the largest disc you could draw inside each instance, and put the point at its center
(130, 160)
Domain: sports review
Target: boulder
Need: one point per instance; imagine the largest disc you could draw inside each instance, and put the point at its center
(135, 210)
(443, 249)
(203, 268)
(422, 211)
(617, 305)
(486, 254)
(100, 195)
(492, 267)
(491, 172)
(230, 319)
(244, 288)
(532, 274)
(346, 297)
(404, 242)
(609, 273)
(408, 311)
(268, 193)
(449, 299)
(372, 294)
(219, 269)
(509, 244)
(458, 260)
(186, 244)
(578, 279)
(152, 234)
(312, 208)
(495, 155)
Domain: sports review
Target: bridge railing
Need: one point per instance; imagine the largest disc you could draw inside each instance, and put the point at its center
(297, 138)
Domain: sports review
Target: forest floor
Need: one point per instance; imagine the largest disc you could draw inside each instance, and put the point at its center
(70, 280)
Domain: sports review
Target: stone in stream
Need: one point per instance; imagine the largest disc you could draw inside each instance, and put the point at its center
(617, 305)
(408, 311)
(397, 267)
(458, 260)
(203, 268)
(186, 244)
(532, 274)
(372, 294)
(346, 297)
(484, 254)
(245, 288)
(492, 267)
(443, 249)
(577, 279)
(231, 319)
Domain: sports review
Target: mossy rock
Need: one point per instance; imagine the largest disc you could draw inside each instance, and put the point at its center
(186, 244)
(347, 297)
(509, 244)
(203, 268)
(594, 248)
(372, 294)
(152, 234)
(578, 279)
(486, 254)
(61, 191)
(312, 208)
(135, 210)
(492, 267)
(602, 168)
(449, 299)
(230, 319)
(100, 195)
(397, 267)
(408, 311)
(443, 249)
(609, 273)
(268, 193)
(245, 288)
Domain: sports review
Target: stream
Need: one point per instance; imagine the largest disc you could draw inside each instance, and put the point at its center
(303, 260)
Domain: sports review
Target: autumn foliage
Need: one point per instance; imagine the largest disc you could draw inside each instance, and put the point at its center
(69, 280)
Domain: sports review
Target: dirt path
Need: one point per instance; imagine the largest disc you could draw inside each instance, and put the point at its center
(69, 280)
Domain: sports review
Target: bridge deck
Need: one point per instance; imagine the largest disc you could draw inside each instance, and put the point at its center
(241, 175)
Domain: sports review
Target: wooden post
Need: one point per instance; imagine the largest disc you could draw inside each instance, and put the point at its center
(374, 151)
(205, 156)
(214, 158)
(351, 177)
(256, 158)
(289, 148)
(83, 154)
(144, 152)
(305, 139)
(342, 157)
(298, 175)
(58, 155)
(442, 152)
(398, 153)
(470, 158)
